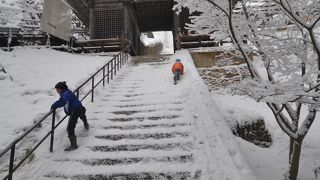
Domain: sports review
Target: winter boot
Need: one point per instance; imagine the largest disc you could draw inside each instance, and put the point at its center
(85, 122)
(73, 146)
(86, 125)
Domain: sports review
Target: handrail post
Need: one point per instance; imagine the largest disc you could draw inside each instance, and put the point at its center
(120, 60)
(118, 63)
(78, 93)
(108, 77)
(104, 74)
(111, 69)
(11, 164)
(92, 88)
(115, 66)
(122, 57)
(52, 129)
(126, 58)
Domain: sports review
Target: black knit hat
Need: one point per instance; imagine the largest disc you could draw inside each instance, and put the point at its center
(61, 85)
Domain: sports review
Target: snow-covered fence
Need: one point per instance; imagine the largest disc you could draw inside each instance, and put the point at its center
(105, 74)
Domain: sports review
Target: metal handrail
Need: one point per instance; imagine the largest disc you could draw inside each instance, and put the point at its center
(112, 66)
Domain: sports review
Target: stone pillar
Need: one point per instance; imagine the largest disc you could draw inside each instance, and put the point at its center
(91, 23)
(176, 31)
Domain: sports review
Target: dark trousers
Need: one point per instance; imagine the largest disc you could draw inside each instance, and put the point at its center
(73, 119)
(177, 75)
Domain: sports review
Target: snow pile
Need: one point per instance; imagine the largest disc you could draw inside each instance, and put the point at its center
(166, 38)
(148, 42)
(34, 73)
(233, 110)
(163, 37)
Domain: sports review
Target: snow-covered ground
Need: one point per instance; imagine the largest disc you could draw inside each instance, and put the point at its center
(141, 103)
(269, 163)
(27, 90)
(242, 109)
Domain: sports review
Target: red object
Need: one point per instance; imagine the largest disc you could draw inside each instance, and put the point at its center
(177, 66)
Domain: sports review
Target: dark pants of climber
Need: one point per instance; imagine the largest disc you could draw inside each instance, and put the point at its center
(78, 113)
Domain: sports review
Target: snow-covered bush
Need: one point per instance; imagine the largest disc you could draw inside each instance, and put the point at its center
(253, 131)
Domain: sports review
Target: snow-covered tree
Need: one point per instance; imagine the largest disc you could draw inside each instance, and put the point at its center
(285, 73)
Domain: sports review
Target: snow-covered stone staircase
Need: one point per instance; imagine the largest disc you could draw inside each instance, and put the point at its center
(138, 131)
(142, 127)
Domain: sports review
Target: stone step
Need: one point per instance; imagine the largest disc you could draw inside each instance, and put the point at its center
(147, 126)
(144, 112)
(133, 160)
(128, 147)
(154, 118)
(115, 137)
(128, 113)
(130, 176)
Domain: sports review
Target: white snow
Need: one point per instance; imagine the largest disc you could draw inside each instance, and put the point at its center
(269, 163)
(164, 37)
(148, 41)
(148, 89)
(34, 73)
(144, 88)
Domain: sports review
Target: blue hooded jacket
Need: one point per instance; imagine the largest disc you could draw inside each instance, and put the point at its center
(68, 100)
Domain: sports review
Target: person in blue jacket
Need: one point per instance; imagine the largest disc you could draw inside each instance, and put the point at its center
(73, 108)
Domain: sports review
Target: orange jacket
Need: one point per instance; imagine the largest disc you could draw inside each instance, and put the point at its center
(177, 66)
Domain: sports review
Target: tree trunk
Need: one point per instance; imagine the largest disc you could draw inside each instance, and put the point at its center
(294, 160)
(291, 148)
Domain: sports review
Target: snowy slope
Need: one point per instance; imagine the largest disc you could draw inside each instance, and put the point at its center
(273, 159)
(144, 126)
(34, 73)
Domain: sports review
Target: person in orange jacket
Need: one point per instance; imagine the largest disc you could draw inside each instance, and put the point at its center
(177, 70)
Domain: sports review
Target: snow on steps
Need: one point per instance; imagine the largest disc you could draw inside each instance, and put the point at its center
(144, 127)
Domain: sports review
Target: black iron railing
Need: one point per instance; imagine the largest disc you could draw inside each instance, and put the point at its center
(108, 71)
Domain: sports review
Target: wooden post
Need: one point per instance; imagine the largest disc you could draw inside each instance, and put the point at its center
(122, 41)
